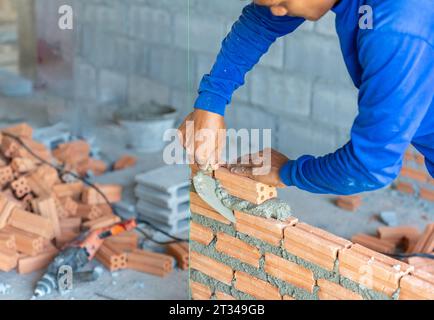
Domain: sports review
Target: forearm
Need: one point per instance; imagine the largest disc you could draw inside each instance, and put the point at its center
(340, 173)
(250, 38)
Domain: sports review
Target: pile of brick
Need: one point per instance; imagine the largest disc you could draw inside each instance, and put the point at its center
(415, 178)
(123, 252)
(266, 258)
(408, 239)
(39, 213)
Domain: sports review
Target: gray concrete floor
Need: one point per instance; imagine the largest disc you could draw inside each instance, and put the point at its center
(318, 210)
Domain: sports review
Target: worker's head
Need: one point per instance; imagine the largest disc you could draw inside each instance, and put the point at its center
(308, 9)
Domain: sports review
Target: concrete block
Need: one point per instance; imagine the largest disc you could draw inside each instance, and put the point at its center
(334, 104)
(162, 199)
(150, 24)
(227, 9)
(315, 56)
(275, 55)
(297, 138)
(189, 33)
(112, 86)
(178, 71)
(166, 216)
(110, 18)
(178, 228)
(281, 93)
(143, 90)
(85, 81)
(168, 179)
(326, 25)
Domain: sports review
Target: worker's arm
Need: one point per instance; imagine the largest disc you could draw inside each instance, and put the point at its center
(396, 92)
(250, 38)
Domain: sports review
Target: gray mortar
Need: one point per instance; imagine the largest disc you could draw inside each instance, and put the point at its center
(366, 293)
(214, 225)
(273, 208)
(284, 287)
(216, 285)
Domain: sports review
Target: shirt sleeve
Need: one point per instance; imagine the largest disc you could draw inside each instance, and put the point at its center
(251, 37)
(395, 95)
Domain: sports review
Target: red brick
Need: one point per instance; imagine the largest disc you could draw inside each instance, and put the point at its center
(333, 291)
(405, 187)
(379, 245)
(425, 244)
(289, 272)
(414, 174)
(267, 230)
(200, 291)
(427, 194)
(419, 285)
(313, 244)
(397, 234)
(223, 296)
(210, 267)
(200, 207)
(238, 249)
(200, 233)
(244, 188)
(349, 203)
(255, 287)
(372, 269)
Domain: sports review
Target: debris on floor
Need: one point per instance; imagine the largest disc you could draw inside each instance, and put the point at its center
(349, 203)
(389, 218)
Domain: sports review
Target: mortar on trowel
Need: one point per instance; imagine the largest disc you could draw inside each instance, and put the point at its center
(220, 200)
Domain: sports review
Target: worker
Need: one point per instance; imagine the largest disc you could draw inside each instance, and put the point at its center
(391, 63)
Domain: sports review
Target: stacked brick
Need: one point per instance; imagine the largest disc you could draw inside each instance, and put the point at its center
(266, 258)
(39, 213)
(415, 178)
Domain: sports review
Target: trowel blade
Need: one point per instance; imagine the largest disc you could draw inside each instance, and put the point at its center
(205, 187)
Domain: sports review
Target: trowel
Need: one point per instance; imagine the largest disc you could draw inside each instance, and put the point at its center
(205, 187)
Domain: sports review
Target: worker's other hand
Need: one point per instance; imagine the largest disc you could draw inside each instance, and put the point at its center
(263, 167)
(203, 135)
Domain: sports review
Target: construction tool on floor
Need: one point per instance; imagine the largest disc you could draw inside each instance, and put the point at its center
(205, 187)
(76, 255)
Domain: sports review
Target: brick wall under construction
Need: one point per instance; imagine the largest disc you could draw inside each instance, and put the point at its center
(267, 258)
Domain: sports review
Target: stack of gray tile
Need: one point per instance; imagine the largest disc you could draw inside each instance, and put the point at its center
(163, 198)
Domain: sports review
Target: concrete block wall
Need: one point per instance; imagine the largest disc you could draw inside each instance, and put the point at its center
(133, 51)
(271, 259)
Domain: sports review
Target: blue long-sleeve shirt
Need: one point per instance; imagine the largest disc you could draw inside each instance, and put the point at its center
(392, 65)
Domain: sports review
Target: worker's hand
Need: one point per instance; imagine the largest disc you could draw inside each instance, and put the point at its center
(263, 167)
(203, 135)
